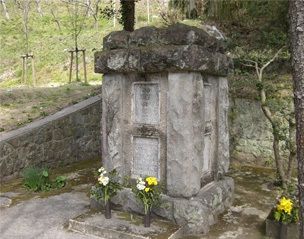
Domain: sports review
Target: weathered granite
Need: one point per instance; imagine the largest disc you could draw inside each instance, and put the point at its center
(223, 129)
(70, 135)
(250, 133)
(210, 133)
(123, 225)
(157, 116)
(177, 34)
(167, 58)
(149, 49)
(196, 214)
(112, 125)
(5, 201)
(186, 122)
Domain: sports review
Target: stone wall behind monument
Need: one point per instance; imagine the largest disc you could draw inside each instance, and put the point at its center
(70, 135)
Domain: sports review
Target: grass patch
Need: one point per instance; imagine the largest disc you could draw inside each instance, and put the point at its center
(38, 179)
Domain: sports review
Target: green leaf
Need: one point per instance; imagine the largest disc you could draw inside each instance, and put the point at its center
(45, 173)
(277, 216)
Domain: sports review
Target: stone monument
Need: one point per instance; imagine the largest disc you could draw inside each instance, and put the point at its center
(165, 114)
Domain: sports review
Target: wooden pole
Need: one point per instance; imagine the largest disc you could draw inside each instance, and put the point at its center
(23, 70)
(33, 71)
(71, 66)
(76, 61)
(84, 66)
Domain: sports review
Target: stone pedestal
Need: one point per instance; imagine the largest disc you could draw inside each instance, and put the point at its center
(165, 114)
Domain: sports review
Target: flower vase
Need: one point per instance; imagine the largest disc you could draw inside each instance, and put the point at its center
(147, 219)
(281, 230)
(108, 209)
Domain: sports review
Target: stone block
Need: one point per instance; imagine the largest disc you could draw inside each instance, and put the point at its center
(223, 130)
(185, 134)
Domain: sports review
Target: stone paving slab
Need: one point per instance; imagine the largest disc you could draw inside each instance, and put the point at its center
(43, 218)
(5, 202)
(123, 225)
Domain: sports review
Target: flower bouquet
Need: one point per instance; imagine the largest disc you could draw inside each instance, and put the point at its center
(147, 191)
(285, 211)
(108, 185)
(283, 220)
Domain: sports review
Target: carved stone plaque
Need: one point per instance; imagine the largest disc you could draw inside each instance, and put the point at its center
(145, 157)
(146, 103)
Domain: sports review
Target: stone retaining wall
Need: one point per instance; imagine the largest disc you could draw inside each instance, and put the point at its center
(70, 135)
(74, 134)
(250, 133)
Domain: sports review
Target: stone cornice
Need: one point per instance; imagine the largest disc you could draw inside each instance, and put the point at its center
(173, 49)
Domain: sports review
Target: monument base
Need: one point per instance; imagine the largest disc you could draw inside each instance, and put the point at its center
(123, 225)
(195, 214)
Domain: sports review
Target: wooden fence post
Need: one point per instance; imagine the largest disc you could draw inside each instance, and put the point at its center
(71, 65)
(84, 66)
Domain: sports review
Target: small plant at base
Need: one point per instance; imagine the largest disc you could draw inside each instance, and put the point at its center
(36, 179)
(60, 182)
(147, 191)
(107, 185)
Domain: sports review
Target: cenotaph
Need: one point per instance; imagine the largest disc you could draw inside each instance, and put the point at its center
(165, 114)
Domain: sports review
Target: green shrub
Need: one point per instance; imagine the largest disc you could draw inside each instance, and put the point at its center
(60, 182)
(37, 179)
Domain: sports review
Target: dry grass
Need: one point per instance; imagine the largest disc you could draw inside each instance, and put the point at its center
(20, 106)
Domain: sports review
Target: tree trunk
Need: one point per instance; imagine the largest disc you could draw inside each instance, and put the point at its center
(276, 141)
(71, 66)
(38, 6)
(292, 147)
(128, 14)
(6, 14)
(148, 10)
(76, 61)
(33, 71)
(56, 20)
(296, 13)
(84, 66)
(278, 159)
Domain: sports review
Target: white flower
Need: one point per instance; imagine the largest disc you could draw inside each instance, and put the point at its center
(140, 186)
(101, 170)
(103, 180)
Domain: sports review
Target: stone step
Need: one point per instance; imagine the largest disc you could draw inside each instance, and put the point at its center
(123, 225)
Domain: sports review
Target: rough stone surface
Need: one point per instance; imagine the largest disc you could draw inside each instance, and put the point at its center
(211, 93)
(126, 139)
(223, 129)
(5, 201)
(112, 125)
(162, 59)
(193, 214)
(70, 135)
(149, 50)
(250, 133)
(177, 34)
(185, 134)
(196, 215)
(154, 119)
(122, 225)
(43, 218)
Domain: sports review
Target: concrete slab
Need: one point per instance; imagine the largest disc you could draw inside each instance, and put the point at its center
(123, 225)
(43, 218)
(5, 201)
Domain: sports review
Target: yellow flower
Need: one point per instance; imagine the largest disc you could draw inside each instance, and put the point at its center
(151, 181)
(285, 205)
(147, 190)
